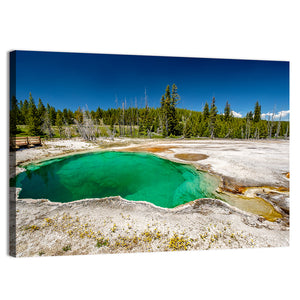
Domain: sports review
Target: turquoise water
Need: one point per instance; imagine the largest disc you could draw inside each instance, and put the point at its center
(133, 176)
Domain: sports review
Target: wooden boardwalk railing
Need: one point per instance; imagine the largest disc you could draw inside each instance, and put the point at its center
(28, 141)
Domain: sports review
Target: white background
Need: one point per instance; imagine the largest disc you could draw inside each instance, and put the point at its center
(215, 29)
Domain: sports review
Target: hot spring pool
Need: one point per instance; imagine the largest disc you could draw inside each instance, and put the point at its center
(133, 176)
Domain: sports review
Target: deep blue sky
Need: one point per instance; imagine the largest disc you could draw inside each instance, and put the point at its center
(72, 79)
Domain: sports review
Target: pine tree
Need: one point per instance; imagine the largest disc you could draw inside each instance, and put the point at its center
(65, 116)
(34, 124)
(24, 112)
(187, 126)
(41, 110)
(257, 112)
(168, 111)
(164, 119)
(249, 115)
(227, 112)
(173, 120)
(52, 114)
(59, 122)
(212, 117)
(70, 119)
(99, 114)
(14, 116)
(205, 111)
(263, 129)
(21, 119)
(145, 122)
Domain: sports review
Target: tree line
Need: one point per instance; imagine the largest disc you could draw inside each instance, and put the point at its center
(165, 121)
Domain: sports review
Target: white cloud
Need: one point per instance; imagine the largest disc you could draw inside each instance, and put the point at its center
(282, 114)
(236, 114)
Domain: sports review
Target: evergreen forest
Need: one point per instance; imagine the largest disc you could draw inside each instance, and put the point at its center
(29, 118)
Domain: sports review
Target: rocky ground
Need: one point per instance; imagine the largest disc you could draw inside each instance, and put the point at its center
(254, 181)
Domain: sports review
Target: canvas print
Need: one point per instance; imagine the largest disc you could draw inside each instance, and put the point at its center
(128, 153)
